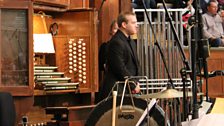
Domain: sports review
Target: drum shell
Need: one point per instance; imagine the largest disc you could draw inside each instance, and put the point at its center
(102, 113)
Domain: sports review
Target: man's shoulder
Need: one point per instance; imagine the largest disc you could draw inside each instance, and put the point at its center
(104, 44)
(116, 41)
(205, 15)
(116, 37)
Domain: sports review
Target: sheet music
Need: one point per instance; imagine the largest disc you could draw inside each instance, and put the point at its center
(150, 105)
(43, 43)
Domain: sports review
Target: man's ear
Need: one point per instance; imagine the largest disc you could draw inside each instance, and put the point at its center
(124, 24)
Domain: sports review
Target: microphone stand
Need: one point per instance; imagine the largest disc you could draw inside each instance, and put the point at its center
(158, 45)
(197, 33)
(187, 67)
(161, 52)
(101, 6)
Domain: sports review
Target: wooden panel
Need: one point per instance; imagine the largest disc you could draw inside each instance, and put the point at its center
(215, 62)
(78, 4)
(22, 105)
(215, 84)
(60, 3)
(60, 55)
(15, 3)
(125, 5)
(78, 116)
(74, 23)
(107, 14)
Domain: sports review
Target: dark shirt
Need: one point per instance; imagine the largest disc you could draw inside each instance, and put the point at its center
(121, 62)
(103, 56)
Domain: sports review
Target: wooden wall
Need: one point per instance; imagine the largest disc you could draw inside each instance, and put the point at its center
(214, 62)
(109, 12)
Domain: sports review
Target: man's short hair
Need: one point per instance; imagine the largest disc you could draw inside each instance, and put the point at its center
(210, 1)
(123, 17)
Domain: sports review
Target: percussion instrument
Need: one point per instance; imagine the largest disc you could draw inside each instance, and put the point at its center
(168, 93)
(102, 113)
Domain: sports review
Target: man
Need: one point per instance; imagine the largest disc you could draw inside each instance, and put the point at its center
(103, 57)
(122, 57)
(213, 25)
(103, 47)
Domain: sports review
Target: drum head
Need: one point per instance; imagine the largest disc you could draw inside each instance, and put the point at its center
(102, 113)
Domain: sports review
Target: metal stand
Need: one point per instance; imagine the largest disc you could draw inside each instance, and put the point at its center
(187, 66)
(183, 73)
(158, 46)
(197, 34)
(202, 63)
(177, 101)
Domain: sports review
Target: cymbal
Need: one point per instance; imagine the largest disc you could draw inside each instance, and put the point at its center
(190, 94)
(168, 93)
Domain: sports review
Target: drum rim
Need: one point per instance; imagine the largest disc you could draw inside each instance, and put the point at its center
(95, 115)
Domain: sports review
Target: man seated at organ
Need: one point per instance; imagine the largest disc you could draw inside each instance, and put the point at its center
(213, 25)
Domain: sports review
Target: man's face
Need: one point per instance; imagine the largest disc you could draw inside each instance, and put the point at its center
(213, 8)
(131, 25)
(114, 29)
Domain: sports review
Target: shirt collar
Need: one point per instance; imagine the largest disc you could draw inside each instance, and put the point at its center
(213, 15)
